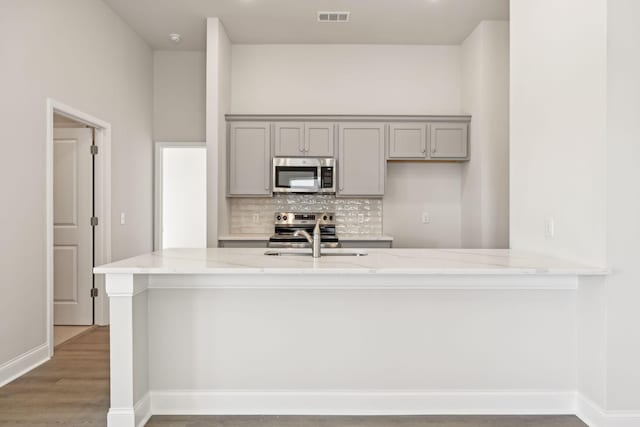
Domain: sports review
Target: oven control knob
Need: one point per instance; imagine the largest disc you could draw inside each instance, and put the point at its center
(284, 217)
(331, 217)
(324, 217)
(279, 217)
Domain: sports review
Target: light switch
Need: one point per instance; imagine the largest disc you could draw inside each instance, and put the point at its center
(549, 228)
(426, 218)
(122, 218)
(256, 218)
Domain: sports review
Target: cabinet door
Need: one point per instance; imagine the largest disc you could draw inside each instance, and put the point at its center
(448, 141)
(289, 139)
(361, 159)
(407, 140)
(319, 139)
(249, 159)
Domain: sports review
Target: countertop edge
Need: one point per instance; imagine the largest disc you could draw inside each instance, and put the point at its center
(218, 271)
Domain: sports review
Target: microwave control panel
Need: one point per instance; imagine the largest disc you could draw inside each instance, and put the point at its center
(327, 176)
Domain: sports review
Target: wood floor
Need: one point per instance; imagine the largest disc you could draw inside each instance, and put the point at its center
(63, 334)
(72, 389)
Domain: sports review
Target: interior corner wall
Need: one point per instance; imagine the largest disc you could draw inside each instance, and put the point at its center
(485, 96)
(78, 52)
(623, 204)
(558, 102)
(218, 99)
(224, 106)
(179, 94)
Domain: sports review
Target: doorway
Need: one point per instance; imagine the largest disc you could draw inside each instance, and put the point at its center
(78, 227)
(180, 211)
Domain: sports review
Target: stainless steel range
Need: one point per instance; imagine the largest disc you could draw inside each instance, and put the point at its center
(287, 223)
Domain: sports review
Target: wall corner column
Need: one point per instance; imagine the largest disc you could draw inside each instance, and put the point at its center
(128, 348)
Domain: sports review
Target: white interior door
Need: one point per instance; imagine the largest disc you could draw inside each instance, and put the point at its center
(73, 234)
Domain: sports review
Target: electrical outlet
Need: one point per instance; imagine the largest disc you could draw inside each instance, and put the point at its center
(360, 218)
(122, 218)
(549, 228)
(256, 218)
(426, 217)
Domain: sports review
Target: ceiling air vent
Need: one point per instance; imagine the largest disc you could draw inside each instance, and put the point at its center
(333, 16)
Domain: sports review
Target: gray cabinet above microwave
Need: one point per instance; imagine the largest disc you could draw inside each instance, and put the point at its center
(303, 139)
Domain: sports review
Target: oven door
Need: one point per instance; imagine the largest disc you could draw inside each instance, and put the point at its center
(296, 175)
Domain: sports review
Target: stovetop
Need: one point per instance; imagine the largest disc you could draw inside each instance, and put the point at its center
(287, 223)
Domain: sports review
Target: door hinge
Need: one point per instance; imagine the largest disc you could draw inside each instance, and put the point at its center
(94, 150)
(94, 292)
(94, 221)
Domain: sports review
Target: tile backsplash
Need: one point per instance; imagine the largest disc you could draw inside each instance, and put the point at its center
(353, 216)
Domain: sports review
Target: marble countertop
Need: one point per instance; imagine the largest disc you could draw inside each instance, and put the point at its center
(345, 237)
(377, 261)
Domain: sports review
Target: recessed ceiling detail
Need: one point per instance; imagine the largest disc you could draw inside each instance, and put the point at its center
(296, 21)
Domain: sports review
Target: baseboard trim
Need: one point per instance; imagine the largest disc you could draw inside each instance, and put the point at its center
(138, 415)
(272, 402)
(594, 416)
(24, 363)
(142, 410)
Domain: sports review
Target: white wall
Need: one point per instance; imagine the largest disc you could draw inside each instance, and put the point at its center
(82, 54)
(179, 95)
(623, 204)
(346, 79)
(485, 96)
(558, 127)
(413, 188)
(218, 99)
(576, 95)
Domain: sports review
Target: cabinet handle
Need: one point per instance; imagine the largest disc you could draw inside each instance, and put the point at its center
(433, 150)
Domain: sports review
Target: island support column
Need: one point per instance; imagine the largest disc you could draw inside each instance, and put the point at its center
(128, 349)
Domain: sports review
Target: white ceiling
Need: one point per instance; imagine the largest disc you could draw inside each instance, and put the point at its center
(294, 21)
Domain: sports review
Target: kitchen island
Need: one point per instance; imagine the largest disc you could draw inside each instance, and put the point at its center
(398, 331)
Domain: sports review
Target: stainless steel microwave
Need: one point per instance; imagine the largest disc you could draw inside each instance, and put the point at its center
(304, 175)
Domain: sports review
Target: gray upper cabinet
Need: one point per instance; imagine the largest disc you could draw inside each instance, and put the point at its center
(249, 159)
(319, 139)
(296, 139)
(449, 141)
(361, 159)
(407, 141)
(289, 139)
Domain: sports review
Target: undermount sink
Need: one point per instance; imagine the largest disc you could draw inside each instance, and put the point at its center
(323, 254)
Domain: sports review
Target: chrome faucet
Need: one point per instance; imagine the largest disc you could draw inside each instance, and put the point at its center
(314, 241)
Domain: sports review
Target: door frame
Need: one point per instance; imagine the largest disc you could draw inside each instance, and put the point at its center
(102, 199)
(157, 184)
